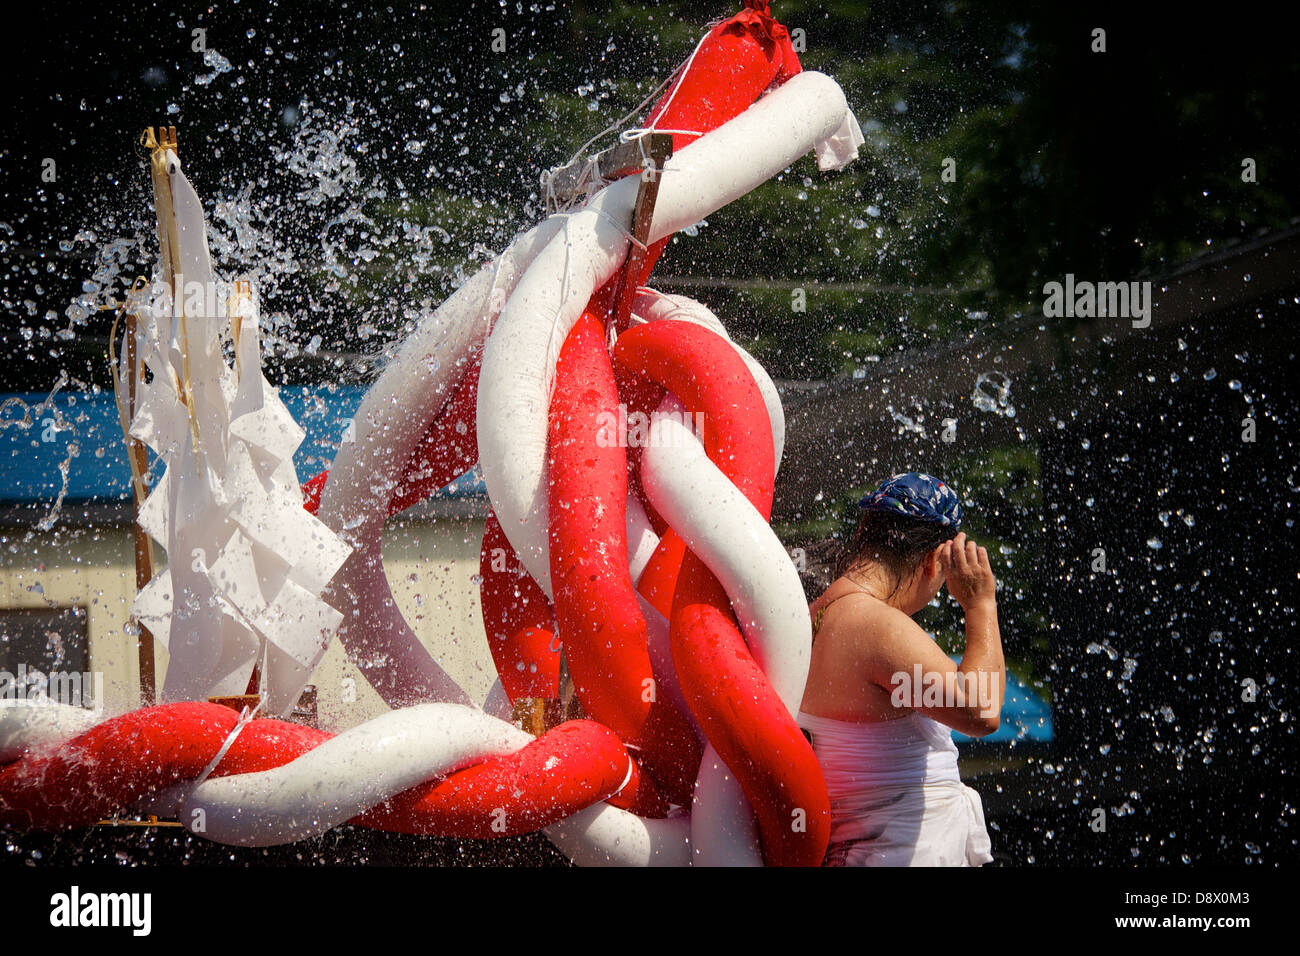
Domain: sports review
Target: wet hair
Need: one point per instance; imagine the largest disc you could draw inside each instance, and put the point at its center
(895, 541)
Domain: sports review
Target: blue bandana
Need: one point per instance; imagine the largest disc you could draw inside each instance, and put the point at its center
(919, 496)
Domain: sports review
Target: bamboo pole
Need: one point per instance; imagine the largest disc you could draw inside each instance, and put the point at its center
(159, 143)
(143, 546)
(138, 460)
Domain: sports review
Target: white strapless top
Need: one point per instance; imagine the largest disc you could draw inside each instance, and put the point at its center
(854, 756)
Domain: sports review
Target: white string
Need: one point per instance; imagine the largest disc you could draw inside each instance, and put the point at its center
(685, 69)
(630, 113)
(245, 718)
(627, 779)
(623, 229)
(637, 132)
(627, 135)
(589, 179)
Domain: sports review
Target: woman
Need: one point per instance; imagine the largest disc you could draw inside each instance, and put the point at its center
(881, 695)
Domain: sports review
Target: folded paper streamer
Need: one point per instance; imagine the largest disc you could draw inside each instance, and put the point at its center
(246, 563)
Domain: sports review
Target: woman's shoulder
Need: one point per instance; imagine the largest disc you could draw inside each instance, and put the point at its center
(847, 600)
(839, 588)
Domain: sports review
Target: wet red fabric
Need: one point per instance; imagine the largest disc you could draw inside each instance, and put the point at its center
(730, 697)
(596, 608)
(109, 767)
(517, 619)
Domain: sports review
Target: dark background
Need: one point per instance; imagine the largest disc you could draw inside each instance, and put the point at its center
(1068, 161)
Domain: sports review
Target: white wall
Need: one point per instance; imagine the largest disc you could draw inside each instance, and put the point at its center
(430, 566)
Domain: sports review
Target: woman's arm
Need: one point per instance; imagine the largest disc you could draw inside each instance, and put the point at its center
(902, 659)
(971, 582)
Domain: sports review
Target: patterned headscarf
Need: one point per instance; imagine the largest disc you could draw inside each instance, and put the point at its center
(917, 496)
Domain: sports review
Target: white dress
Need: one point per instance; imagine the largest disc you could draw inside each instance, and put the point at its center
(896, 797)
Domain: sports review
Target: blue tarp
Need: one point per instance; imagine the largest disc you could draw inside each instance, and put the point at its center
(1025, 716)
(77, 433)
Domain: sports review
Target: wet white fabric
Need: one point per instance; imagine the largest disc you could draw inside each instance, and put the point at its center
(896, 797)
(394, 416)
(603, 835)
(841, 147)
(248, 563)
(32, 725)
(519, 359)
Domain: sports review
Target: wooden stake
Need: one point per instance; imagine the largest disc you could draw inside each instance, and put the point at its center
(657, 152)
(160, 143)
(143, 546)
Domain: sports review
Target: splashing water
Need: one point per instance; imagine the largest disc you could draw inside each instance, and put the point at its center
(992, 394)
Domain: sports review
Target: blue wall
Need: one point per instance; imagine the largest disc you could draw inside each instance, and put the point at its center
(35, 442)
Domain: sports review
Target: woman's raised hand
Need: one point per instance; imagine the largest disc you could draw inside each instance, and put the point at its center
(970, 578)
